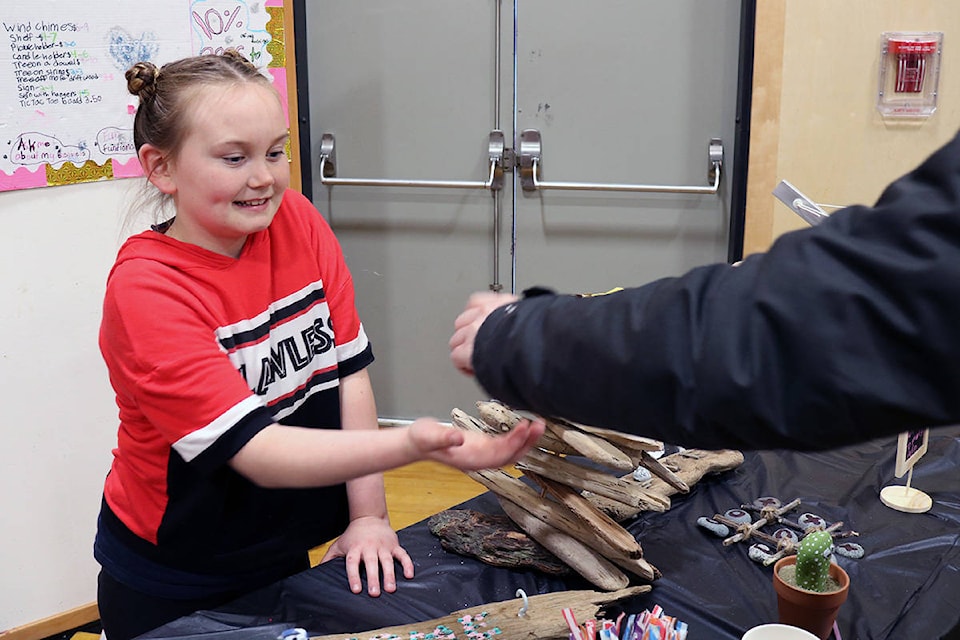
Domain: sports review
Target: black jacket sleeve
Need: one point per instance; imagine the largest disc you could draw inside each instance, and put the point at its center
(839, 333)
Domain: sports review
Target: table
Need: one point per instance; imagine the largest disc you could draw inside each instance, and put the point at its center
(907, 585)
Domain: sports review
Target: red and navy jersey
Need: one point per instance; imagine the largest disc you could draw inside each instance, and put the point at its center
(203, 352)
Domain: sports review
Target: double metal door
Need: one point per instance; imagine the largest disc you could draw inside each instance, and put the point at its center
(466, 145)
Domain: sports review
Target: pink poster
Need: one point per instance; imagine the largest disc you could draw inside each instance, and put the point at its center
(65, 114)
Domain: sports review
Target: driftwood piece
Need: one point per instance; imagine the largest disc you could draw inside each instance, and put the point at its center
(621, 439)
(690, 465)
(604, 526)
(569, 473)
(493, 539)
(660, 470)
(552, 513)
(494, 423)
(497, 415)
(637, 566)
(588, 563)
(621, 551)
(616, 539)
(541, 620)
(497, 419)
(501, 418)
(590, 446)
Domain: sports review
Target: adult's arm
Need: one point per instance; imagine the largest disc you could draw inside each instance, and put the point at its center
(839, 333)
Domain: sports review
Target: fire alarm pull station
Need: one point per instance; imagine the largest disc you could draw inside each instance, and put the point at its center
(909, 73)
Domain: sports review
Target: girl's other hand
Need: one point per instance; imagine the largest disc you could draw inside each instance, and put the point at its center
(372, 542)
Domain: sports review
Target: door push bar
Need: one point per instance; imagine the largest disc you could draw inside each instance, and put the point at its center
(494, 181)
(530, 172)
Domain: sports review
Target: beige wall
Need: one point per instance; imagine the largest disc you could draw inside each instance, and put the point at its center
(815, 121)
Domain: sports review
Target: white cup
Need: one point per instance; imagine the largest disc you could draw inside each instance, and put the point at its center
(778, 632)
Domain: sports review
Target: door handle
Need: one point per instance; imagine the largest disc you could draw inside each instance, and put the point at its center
(530, 169)
(494, 181)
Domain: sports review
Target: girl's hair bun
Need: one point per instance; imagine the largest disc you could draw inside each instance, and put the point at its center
(142, 79)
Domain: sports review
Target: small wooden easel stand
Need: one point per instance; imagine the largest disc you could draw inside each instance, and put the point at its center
(911, 445)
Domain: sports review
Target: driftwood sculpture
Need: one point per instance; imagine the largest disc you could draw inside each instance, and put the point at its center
(540, 619)
(576, 513)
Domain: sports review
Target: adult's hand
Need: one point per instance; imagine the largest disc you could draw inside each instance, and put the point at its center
(467, 324)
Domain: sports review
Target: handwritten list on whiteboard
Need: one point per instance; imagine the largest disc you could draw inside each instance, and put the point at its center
(65, 113)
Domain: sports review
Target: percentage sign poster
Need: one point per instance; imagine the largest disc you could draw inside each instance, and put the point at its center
(65, 113)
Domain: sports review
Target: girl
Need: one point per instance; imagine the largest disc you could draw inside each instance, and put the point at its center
(248, 430)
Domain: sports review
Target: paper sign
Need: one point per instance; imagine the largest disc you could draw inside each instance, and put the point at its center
(66, 115)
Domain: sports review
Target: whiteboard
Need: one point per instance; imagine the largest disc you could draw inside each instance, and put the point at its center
(65, 113)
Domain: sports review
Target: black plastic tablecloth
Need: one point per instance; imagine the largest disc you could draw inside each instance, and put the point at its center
(906, 586)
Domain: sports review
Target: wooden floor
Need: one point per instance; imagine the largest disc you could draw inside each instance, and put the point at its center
(418, 491)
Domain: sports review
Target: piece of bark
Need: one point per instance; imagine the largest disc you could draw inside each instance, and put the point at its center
(590, 446)
(541, 619)
(573, 475)
(493, 539)
(690, 465)
(591, 565)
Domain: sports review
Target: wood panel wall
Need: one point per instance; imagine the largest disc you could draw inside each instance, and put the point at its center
(814, 120)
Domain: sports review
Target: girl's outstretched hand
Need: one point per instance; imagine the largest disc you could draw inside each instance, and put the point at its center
(471, 451)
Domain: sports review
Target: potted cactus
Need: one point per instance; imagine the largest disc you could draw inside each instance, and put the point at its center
(810, 587)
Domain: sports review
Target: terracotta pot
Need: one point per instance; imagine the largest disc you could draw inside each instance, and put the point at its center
(809, 610)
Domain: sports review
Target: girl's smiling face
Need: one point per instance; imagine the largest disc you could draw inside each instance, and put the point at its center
(229, 176)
